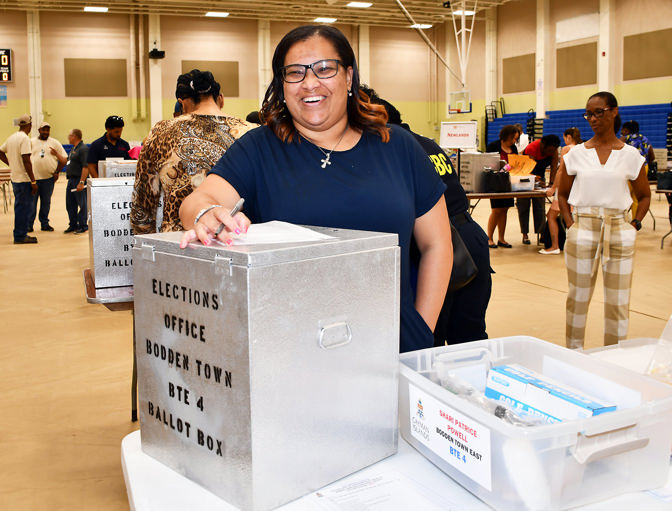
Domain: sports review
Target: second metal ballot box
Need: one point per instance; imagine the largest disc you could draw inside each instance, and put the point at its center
(110, 238)
(471, 167)
(268, 371)
(123, 168)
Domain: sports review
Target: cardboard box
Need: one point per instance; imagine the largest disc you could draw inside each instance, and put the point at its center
(540, 396)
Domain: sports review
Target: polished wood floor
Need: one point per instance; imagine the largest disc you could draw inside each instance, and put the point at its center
(65, 365)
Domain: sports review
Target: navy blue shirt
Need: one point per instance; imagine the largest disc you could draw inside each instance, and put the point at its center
(101, 149)
(374, 186)
(456, 198)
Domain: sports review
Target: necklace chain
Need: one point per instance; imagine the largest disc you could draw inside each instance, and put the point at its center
(326, 160)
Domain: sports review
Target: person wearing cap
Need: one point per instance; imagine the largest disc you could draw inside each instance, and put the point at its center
(46, 166)
(15, 152)
(110, 145)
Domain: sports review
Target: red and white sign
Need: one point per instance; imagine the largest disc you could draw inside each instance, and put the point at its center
(460, 440)
(458, 135)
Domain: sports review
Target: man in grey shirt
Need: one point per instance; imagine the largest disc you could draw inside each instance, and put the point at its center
(76, 173)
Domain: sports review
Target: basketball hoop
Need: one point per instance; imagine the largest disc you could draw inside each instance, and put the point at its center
(459, 102)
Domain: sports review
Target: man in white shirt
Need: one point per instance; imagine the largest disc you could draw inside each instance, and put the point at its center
(15, 152)
(46, 167)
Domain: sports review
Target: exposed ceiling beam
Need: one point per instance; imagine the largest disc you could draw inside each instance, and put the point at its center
(381, 13)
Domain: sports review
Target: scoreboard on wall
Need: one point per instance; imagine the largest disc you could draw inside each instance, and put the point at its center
(5, 65)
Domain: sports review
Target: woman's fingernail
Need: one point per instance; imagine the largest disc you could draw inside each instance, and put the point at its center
(229, 241)
(245, 229)
(237, 231)
(207, 242)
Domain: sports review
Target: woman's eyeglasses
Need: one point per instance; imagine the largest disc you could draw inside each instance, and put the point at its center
(597, 113)
(295, 73)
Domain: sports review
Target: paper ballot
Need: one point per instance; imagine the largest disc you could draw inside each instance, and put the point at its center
(388, 490)
(521, 165)
(277, 232)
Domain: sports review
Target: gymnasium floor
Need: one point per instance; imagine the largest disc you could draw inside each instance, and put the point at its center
(65, 365)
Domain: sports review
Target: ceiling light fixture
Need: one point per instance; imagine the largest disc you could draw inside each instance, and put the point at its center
(466, 13)
(215, 14)
(95, 9)
(361, 5)
(324, 20)
(421, 25)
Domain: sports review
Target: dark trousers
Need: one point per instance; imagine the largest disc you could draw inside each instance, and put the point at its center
(23, 207)
(462, 316)
(538, 213)
(45, 188)
(75, 205)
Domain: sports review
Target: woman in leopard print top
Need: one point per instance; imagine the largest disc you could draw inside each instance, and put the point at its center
(179, 152)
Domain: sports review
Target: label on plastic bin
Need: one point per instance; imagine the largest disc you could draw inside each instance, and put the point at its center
(458, 439)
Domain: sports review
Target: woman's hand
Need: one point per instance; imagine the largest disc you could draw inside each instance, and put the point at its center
(208, 207)
(210, 222)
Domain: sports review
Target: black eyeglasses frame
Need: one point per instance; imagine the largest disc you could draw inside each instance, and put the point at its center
(283, 70)
(587, 114)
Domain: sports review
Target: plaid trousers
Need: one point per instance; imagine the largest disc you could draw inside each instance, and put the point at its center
(599, 235)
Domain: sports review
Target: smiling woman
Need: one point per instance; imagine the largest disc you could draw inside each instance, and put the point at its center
(296, 100)
(325, 157)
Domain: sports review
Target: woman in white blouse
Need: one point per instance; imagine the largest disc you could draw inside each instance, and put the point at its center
(595, 178)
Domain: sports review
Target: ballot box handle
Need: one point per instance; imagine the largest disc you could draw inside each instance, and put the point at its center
(334, 335)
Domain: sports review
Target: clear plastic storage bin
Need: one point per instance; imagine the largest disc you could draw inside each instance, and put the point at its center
(554, 466)
(522, 183)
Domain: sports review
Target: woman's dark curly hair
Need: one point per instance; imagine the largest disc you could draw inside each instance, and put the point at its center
(362, 114)
(197, 85)
(507, 132)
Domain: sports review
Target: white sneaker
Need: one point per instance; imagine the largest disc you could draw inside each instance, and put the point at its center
(549, 252)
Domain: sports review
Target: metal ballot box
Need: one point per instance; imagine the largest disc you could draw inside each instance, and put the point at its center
(471, 167)
(268, 371)
(123, 168)
(102, 164)
(110, 238)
